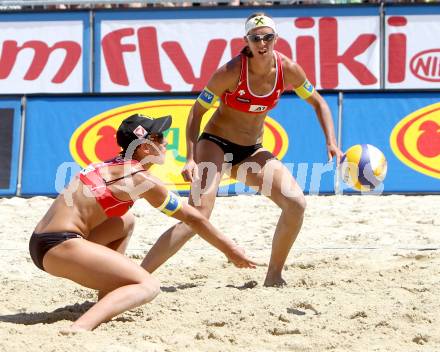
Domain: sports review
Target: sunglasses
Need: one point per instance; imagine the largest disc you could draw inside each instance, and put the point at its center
(259, 37)
(156, 137)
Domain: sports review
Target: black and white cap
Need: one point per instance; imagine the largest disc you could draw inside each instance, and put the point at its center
(139, 127)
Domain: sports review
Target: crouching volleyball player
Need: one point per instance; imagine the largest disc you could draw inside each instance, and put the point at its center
(84, 234)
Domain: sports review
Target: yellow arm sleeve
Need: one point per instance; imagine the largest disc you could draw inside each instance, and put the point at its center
(305, 90)
(207, 98)
(171, 204)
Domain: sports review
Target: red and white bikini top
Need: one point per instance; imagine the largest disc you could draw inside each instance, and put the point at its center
(242, 98)
(91, 176)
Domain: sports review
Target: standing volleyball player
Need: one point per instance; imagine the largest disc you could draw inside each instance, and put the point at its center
(249, 86)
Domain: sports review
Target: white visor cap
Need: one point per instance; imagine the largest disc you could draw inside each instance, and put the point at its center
(259, 21)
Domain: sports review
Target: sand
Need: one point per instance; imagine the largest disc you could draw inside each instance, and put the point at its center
(364, 275)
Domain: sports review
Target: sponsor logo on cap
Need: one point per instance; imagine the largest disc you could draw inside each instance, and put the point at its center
(140, 132)
(259, 21)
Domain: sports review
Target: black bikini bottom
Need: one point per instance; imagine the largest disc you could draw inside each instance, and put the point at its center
(239, 152)
(40, 243)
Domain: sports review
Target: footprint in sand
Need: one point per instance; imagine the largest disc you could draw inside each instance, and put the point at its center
(214, 323)
(245, 286)
(420, 339)
(303, 305)
(360, 314)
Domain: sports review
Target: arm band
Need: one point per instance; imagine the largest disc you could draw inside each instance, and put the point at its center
(171, 204)
(305, 90)
(207, 98)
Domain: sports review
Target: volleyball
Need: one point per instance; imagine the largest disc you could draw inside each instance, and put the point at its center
(363, 167)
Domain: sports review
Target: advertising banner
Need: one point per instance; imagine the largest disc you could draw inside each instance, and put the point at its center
(170, 50)
(64, 134)
(10, 124)
(406, 128)
(413, 47)
(164, 51)
(44, 53)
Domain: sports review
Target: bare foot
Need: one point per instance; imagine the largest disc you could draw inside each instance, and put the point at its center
(72, 330)
(275, 282)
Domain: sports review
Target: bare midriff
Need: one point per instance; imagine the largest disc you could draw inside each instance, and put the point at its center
(72, 211)
(236, 126)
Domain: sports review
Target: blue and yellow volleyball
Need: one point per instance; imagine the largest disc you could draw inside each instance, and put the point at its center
(363, 167)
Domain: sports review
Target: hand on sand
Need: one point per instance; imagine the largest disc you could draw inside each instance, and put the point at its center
(239, 259)
(72, 330)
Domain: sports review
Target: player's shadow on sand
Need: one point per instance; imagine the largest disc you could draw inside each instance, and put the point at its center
(178, 287)
(245, 286)
(295, 311)
(71, 313)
